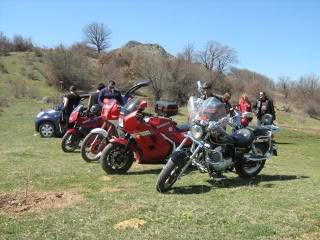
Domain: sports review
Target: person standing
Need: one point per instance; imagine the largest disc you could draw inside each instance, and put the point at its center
(110, 92)
(244, 103)
(244, 106)
(264, 105)
(226, 100)
(70, 102)
(93, 99)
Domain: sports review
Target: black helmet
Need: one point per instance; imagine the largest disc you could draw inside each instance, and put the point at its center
(266, 119)
(95, 109)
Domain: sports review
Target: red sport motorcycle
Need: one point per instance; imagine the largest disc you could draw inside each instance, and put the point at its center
(82, 122)
(147, 139)
(98, 138)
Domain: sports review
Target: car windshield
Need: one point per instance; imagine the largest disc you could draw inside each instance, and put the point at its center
(211, 109)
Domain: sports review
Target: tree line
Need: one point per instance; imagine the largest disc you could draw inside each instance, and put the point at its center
(89, 62)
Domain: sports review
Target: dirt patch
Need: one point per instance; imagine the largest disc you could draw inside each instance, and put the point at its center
(131, 223)
(105, 178)
(18, 202)
(110, 190)
(311, 236)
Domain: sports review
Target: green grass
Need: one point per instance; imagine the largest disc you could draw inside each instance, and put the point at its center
(281, 203)
(24, 69)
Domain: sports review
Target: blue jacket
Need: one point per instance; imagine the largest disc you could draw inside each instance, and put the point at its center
(110, 94)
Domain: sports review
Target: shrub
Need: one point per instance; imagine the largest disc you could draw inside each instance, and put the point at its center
(69, 68)
(3, 68)
(21, 44)
(5, 45)
(23, 90)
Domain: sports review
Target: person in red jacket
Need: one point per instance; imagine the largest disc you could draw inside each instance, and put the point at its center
(244, 106)
(244, 103)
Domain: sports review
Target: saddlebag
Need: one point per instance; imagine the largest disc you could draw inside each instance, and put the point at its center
(166, 108)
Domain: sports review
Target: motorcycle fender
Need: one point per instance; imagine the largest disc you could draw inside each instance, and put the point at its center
(71, 131)
(100, 131)
(121, 141)
(179, 157)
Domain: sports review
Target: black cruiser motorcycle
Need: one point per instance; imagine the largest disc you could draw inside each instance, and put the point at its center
(213, 149)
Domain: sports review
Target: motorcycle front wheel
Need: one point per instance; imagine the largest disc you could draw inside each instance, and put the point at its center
(250, 169)
(70, 142)
(92, 145)
(116, 158)
(168, 176)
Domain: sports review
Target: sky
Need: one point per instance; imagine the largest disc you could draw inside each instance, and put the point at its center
(272, 37)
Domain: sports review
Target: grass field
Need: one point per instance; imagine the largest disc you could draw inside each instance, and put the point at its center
(281, 203)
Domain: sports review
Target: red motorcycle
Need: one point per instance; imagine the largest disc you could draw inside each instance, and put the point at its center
(98, 138)
(148, 138)
(82, 122)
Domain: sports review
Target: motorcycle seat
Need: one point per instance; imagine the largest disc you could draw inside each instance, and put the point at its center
(242, 137)
(184, 127)
(261, 131)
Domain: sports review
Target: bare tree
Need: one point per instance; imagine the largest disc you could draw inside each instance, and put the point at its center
(97, 35)
(152, 67)
(216, 57)
(284, 86)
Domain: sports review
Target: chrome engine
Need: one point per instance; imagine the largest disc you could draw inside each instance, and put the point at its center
(216, 161)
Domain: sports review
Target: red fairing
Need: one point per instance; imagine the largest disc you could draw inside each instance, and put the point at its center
(167, 127)
(73, 116)
(71, 131)
(110, 110)
(121, 141)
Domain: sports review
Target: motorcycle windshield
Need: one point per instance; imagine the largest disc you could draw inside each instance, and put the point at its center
(211, 109)
(130, 106)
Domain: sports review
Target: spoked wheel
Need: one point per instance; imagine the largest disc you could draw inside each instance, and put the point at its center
(92, 145)
(168, 176)
(70, 142)
(250, 169)
(115, 158)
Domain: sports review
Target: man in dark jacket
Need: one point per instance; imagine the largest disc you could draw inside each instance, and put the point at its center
(110, 92)
(93, 99)
(263, 106)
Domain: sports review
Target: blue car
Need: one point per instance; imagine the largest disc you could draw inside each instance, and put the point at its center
(48, 122)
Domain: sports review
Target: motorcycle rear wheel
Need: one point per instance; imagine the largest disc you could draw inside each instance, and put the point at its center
(168, 176)
(250, 169)
(115, 158)
(70, 143)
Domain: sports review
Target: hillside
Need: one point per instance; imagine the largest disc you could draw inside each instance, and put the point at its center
(22, 75)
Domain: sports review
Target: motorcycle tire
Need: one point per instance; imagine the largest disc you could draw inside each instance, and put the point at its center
(116, 159)
(168, 176)
(250, 169)
(87, 153)
(70, 142)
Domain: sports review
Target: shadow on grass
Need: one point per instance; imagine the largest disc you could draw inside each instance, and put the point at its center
(284, 143)
(239, 182)
(233, 183)
(147, 171)
(194, 189)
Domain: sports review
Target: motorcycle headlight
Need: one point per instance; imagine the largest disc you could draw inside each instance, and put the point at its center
(196, 131)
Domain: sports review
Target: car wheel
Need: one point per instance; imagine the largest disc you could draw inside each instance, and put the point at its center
(46, 130)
